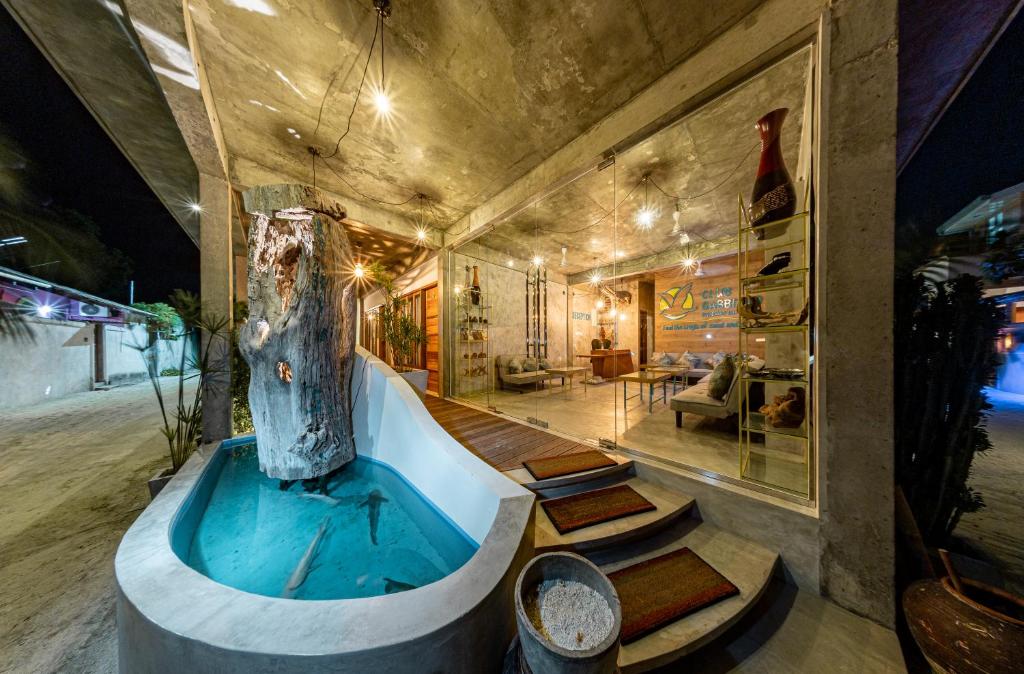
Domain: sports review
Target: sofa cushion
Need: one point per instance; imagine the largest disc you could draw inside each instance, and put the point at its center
(529, 365)
(545, 364)
(513, 365)
(697, 395)
(693, 360)
(721, 379)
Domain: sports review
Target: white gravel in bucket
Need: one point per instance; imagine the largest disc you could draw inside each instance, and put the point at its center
(571, 614)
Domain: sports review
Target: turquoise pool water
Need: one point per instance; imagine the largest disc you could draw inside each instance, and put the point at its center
(371, 534)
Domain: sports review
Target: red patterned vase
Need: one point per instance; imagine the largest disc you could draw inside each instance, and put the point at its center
(774, 197)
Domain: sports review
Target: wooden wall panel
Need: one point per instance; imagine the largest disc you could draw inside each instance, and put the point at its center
(689, 308)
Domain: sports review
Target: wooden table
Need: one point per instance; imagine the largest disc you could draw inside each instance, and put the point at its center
(650, 379)
(673, 371)
(569, 372)
(610, 363)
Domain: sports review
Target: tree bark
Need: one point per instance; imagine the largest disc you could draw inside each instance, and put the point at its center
(300, 338)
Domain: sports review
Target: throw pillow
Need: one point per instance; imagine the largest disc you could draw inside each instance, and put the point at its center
(514, 366)
(656, 356)
(530, 365)
(545, 364)
(666, 359)
(721, 378)
(690, 359)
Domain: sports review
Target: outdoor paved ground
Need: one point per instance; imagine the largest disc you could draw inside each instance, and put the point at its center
(73, 477)
(998, 529)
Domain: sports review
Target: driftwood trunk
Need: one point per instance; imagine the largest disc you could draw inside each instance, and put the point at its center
(300, 338)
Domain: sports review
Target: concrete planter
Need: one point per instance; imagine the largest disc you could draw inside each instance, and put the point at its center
(417, 379)
(159, 481)
(543, 656)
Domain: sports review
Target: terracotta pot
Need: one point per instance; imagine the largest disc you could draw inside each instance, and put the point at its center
(978, 631)
(774, 197)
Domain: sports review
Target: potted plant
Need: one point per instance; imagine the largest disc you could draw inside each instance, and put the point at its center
(399, 329)
(182, 419)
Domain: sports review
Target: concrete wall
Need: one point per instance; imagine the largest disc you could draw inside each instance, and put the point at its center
(57, 363)
(123, 363)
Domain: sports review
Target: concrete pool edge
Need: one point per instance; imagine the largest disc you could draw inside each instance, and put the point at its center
(172, 618)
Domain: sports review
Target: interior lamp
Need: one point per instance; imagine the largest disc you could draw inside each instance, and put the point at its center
(359, 270)
(599, 304)
(44, 310)
(537, 260)
(595, 278)
(421, 234)
(645, 216)
(382, 103)
(195, 207)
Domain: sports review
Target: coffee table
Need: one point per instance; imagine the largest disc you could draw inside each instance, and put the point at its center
(674, 372)
(648, 378)
(569, 373)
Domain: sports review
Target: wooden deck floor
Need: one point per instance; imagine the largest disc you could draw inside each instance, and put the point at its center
(502, 443)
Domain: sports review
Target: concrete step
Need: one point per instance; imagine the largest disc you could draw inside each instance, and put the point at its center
(623, 467)
(747, 565)
(670, 507)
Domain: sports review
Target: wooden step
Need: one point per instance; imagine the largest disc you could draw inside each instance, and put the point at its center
(747, 565)
(670, 507)
(623, 466)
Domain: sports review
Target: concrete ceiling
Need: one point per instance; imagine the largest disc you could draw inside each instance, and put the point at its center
(483, 90)
(708, 158)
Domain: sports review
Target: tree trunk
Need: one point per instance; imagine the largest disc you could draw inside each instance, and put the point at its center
(300, 338)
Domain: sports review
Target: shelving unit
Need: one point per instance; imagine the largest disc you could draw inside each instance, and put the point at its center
(472, 353)
(777, 457)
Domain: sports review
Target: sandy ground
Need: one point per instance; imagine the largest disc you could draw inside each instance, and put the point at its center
(73, 476)
(998, 529)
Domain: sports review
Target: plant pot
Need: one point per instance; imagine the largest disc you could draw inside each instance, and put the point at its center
(542, 655)
(980, 630)
(417, 379)
(159, 481)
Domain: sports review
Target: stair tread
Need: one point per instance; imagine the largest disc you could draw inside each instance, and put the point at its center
(670, 505)
(747, 565)
(524, 478)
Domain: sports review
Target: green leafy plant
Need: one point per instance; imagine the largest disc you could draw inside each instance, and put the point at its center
(167, 321)
(945, 338)
(182, 417)
(241, 415)
(398, 327)
(170, 372)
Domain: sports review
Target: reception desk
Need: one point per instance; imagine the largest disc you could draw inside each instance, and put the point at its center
(610, 363)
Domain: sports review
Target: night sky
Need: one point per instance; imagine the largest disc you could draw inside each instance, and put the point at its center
(74, 164)
(977, 148)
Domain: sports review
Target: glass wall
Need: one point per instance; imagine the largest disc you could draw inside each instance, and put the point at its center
(602, 308)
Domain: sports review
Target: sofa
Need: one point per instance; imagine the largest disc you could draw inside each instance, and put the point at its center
(699, 364)
(695, 399)
(517, 381)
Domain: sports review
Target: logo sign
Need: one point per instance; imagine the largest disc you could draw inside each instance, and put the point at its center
(675, 303)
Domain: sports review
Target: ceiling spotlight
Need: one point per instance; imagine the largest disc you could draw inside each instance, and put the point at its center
(382, 102)
(645, 218)
(595, 278)
(599, 304)
(688, 263)
(195, 207)
(537, 260)
(421, 234)
(359, 271)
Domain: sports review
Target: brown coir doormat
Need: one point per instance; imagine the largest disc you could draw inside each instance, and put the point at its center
(585, 509)
(557, 466)
(660, 590)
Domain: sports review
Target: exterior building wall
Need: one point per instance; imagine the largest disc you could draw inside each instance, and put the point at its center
(58, 361)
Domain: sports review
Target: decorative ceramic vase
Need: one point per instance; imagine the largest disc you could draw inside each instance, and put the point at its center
(774, 197)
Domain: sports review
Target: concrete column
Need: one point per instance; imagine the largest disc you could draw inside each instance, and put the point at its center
(215, 277)
(855, 302)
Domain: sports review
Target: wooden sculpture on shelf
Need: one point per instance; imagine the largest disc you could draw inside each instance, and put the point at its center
(786, 411)
(300, 337)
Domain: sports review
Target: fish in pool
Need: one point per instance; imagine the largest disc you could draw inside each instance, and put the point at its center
(372, 505)
(302, 569)
(329, 500)
(391, 586)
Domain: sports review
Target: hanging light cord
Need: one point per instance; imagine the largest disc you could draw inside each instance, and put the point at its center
(678, 197)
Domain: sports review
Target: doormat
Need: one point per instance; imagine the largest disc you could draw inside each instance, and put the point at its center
(588, 508)
(664, 589)
(567, 464)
